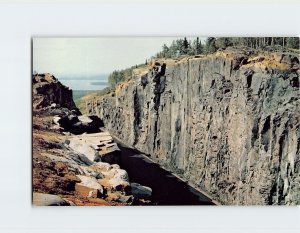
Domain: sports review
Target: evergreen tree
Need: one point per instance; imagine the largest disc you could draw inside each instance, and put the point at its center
(185, 46)
(210, 46)
(292, 42)
(223, 42)
(197, 46)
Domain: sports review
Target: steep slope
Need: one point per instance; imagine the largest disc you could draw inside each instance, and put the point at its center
(228, 123)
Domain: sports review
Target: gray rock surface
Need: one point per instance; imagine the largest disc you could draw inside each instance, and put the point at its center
(140, 191)
(89, 187)
(229, 123)
(43, 199)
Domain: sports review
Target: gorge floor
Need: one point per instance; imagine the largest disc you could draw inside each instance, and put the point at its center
(167, 189)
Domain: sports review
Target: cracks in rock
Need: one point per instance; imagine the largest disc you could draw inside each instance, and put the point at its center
(265, 133)
(137, 116)
(159, 80)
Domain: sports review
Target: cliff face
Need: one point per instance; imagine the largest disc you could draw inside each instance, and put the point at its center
(48, 90)
(229, 123)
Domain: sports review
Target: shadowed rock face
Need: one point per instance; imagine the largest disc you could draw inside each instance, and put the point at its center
(228, 123)
(48, 90)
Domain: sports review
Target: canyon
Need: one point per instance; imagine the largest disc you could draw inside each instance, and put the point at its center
(76, 161)
(227, 123)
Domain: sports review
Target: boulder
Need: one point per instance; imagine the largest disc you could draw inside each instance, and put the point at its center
(91, 172)
(43, 199)
(119, 184)
(120, 180)
(89, 187)
(115, 166)
(110, 154)
(101, 166)
(70, 122)
(82, 146)
(117, 179)
(119, 197)
(116, 173)
(121, 174)
(96, 146)
(140, 191)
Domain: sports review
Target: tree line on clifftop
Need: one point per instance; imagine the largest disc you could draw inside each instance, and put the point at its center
(212, 44)
(182, 47)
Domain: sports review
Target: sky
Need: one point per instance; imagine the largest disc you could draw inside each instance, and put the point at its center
(88, 57)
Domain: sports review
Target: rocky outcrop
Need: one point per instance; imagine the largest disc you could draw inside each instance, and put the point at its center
(78, 124)
(48, 91)
(229, 123)
(71, 153)
(96, 147)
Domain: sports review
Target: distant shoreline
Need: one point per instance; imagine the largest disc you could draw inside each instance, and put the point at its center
(99, 83)
(96, 78)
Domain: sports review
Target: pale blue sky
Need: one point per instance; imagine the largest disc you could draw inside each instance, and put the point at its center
(86, 57)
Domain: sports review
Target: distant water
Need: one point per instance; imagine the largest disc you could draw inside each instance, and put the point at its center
(84, 84)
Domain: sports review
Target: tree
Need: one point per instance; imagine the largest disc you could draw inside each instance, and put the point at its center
(185, 46)
(210, 46)
(292, 42)
(223, 42)
(197, 47)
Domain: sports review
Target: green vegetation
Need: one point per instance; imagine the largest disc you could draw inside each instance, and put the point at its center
(183, 46)
(118, 76)
(121, 75)
(212, 44)
(78, 94)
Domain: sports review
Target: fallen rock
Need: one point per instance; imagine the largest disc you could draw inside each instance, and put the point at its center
(79, 124)
(43, 199)
(115, 166)
(119, 197)
(121, 174)
(89, 187)
(140, 191)
(120, 180)
(101, 166)
(91, 172)
(110, 154)
(97, 147)
(116, 179)
(83, 146)
(119, 184)
(116, 173)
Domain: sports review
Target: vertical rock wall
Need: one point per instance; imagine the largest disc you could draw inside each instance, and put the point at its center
(228, 123)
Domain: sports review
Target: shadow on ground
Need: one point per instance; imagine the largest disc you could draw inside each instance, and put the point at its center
(167, 188)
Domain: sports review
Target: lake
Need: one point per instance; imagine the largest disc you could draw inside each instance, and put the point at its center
(85, 84)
